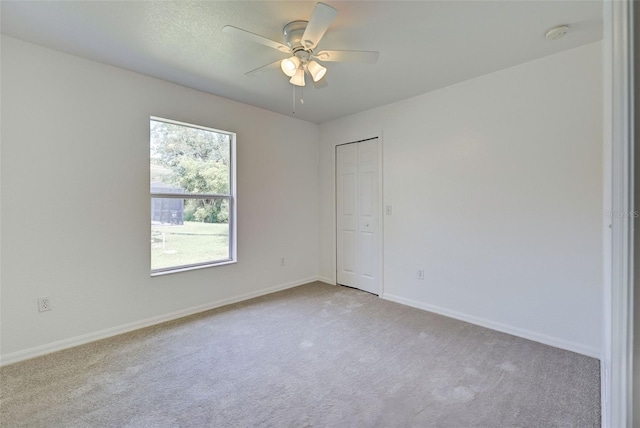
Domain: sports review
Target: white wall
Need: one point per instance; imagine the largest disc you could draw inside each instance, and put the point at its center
(496, 188)
(75, 204)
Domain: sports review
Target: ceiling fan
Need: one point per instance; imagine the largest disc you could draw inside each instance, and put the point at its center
(301, 38)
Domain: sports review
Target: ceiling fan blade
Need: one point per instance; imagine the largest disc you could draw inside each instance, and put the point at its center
(248, 35)
(323, 16)
(366, 57)
(260, 70)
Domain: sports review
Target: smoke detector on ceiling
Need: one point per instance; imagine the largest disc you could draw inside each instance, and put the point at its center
(556, 32)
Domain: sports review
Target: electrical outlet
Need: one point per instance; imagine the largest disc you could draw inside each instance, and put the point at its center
(282, 261)
(44, 304)
(420, 274)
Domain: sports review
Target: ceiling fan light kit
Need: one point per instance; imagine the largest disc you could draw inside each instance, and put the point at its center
(290, 65)
(298, 78)
(301, 38)
(316, 70)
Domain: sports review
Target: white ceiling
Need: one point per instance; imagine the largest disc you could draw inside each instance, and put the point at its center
(423, 45)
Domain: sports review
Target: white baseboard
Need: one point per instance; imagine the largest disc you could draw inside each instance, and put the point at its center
(37, 351)
(604, 393)
(504, 328)
(48, 348)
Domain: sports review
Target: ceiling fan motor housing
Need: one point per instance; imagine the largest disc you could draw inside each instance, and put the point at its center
(293, 32)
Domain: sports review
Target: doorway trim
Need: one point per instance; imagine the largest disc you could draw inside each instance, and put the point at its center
(617, 370)
(334, 248)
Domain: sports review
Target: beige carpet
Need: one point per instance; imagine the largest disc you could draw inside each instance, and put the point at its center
(316, 355)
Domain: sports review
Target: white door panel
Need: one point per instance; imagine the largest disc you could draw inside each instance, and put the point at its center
(357, 212)
(347, 233)
(367, 188)
(349, 250)
(366, 255)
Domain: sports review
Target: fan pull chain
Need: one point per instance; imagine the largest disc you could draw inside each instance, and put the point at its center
(293, 100)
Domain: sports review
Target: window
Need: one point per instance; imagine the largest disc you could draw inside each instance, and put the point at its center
(192, 180)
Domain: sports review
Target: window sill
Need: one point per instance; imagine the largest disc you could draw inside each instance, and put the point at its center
(188, 268)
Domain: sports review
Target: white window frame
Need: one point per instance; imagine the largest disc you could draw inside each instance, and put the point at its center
(231, 197)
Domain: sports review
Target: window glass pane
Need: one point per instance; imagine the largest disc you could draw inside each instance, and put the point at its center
(188, 231)
(185, 159)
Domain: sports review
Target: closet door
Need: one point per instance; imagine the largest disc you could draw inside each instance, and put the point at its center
(357, 215)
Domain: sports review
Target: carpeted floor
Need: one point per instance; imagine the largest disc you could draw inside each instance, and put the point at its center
(316, 355)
